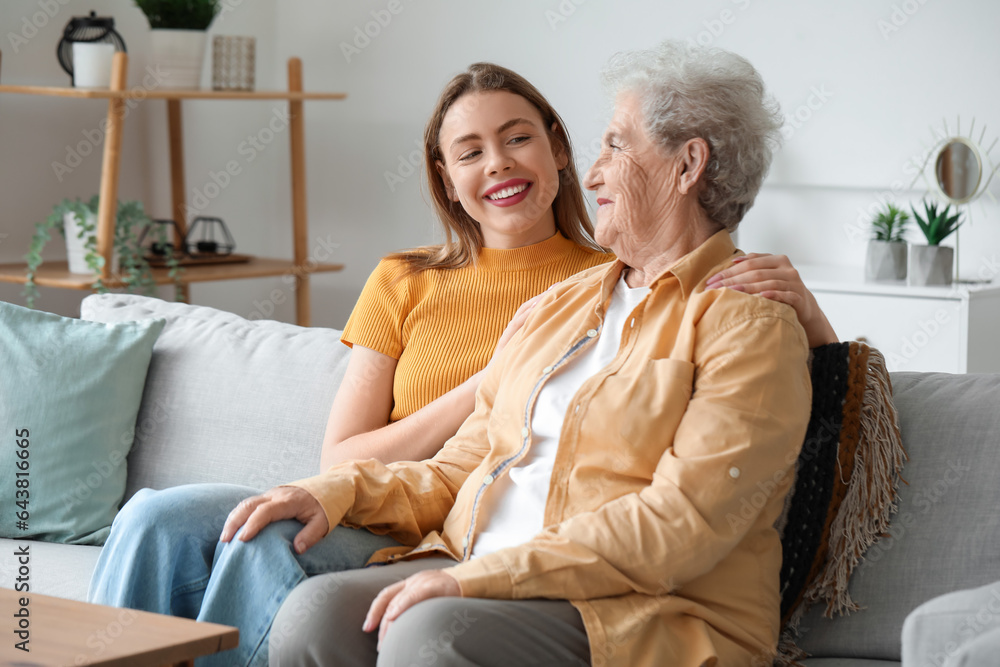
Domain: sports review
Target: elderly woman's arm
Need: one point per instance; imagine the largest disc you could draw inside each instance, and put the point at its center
(740, 434)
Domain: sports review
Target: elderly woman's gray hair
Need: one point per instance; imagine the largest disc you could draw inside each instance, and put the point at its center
(687, 92)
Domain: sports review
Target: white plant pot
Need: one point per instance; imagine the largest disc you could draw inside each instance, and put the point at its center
(76, 249)
(885, 260)
(178, 56)
(930, 265)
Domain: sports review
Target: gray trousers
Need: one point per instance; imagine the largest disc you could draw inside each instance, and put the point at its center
(320, 624)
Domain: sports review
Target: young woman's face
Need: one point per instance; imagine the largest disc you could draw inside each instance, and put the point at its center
(500, 165)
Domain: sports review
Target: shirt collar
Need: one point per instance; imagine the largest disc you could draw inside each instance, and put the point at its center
(690, 270)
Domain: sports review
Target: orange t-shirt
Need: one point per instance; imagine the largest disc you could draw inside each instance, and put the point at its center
(442, 324)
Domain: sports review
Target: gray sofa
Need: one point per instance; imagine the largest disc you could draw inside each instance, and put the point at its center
(229, 400)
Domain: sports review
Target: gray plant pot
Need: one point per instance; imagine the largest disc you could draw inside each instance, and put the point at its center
(885, 260)
(930, 265)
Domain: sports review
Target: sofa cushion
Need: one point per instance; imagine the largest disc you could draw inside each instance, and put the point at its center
(940, 630)
(946, 534)
(69, 395)
(227, 399)
(63, 570)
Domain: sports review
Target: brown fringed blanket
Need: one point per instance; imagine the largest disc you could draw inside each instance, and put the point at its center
(846, 483)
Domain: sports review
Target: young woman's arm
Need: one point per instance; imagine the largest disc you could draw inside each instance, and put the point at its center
(358, 424)
(358, 428)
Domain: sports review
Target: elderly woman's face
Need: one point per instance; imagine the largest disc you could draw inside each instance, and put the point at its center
(635, 180)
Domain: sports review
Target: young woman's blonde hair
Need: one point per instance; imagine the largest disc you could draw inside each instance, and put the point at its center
(463, 237)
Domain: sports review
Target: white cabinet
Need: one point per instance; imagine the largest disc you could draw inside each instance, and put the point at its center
(949, 329)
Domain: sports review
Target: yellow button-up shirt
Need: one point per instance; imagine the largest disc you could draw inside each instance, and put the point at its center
(672, 467)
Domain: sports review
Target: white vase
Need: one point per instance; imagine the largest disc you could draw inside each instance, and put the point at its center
(930, 265)
(885, 260)
(178, 56)
(76, 249)
(92, 64)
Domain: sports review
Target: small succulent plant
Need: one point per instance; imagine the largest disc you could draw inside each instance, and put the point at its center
(936, 224)
(890, 224)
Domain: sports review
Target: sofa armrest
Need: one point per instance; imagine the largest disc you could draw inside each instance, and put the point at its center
(960, 628)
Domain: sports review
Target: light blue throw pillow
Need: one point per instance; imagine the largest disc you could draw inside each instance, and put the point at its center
(69, 394)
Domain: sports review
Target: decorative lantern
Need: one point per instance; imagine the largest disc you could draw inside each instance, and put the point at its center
(158, 233)
(91, 29)
(208, 237)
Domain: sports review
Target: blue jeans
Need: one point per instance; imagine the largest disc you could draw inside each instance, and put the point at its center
(164, 556)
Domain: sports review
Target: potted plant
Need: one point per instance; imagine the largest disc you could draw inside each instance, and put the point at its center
(932, 264)
(77, 222)
(886, 255)
(177, 38)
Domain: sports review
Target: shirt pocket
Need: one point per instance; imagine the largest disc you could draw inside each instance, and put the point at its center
(655, 404)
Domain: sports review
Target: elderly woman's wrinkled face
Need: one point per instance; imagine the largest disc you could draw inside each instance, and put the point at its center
(635, 180)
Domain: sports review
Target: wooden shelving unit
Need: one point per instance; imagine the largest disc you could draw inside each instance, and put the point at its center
(56, 274)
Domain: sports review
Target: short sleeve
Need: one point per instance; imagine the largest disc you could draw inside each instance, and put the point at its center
(378, 317)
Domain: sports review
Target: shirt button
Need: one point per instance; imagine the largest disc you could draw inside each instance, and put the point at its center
(488, 480)
(547, 370)
(525, 432)
(734, 472)
(592, 333)
(465, 542)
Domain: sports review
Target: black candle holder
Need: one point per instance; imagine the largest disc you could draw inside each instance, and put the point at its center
(92, 29)
(158, 233)
(208, 237)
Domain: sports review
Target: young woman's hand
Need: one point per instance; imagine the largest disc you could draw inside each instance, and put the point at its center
(516, 323)
(773, 277)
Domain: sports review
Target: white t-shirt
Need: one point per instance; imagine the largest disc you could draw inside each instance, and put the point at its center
(514, 510)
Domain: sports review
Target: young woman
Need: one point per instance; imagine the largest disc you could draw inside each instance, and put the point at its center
(500, 167)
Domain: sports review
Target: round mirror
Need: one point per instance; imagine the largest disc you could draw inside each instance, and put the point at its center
(959, 170)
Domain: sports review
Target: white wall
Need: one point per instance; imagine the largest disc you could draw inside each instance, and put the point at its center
(878, 74)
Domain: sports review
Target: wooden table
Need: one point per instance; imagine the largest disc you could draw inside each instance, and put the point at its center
(67, 632)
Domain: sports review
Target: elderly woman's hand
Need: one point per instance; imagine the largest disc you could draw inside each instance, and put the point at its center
(394, 600)
(281, 502)
(773, 277)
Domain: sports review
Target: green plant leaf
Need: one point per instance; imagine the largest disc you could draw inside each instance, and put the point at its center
(179, 14)
(134, 271)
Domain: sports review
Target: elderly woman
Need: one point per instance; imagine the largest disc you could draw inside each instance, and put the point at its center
(594, 508)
